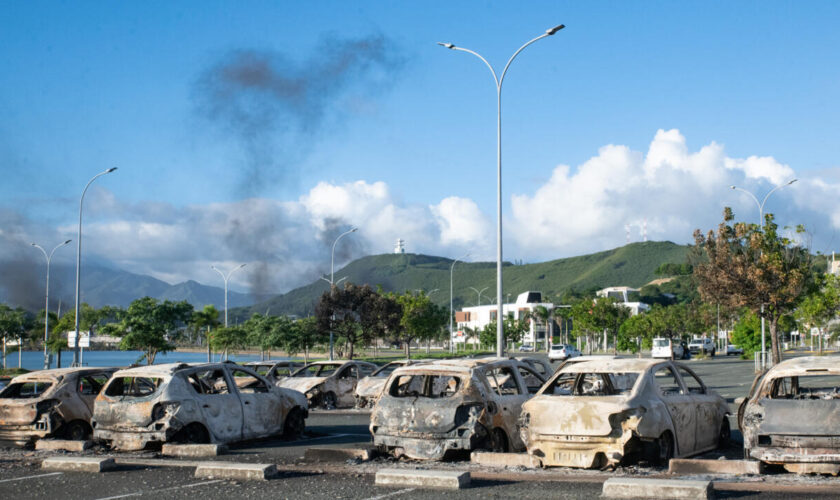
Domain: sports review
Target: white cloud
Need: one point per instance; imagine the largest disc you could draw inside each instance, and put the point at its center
(287, 243)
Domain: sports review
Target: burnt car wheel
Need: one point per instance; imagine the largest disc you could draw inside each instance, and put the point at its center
(498, 441)
(194, 433)
(295, 424)
(76, 431)
(665, 448)
(328, 402)
(725, 434)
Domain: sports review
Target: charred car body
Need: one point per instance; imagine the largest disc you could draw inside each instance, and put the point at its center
(368, 389)
(428, 410)
(50, 403)
(275, 371)
(206, 403)
(792, 416)
(329, 384)
(603, 413)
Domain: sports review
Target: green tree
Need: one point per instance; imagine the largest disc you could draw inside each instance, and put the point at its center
(147, 325)
(746, 265)
(14, 324)
(304, 336)
(820, 306)
(420, 318)
(513, 330)
(746, 333)
(603, 316)
(229, 339)
(204, 321)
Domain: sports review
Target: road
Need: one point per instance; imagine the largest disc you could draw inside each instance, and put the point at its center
(21, 476)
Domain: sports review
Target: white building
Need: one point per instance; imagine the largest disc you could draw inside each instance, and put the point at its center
(478, 317)
(622, 295)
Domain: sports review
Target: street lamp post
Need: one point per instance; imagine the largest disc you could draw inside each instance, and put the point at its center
(479, 292)
(226, 278)
(47, 299)
(332, 278)
(451, 309)
(760, 223)
(498, 81)
(77, 359)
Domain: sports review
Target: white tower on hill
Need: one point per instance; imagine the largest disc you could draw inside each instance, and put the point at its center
(400, 246)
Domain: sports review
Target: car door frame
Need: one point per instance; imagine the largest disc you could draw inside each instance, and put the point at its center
(262, 412)
(680, 409)
(707, 422)
(219, 410)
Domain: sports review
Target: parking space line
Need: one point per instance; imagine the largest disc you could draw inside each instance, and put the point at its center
(140, 493)
(392, 494)
(30, 477)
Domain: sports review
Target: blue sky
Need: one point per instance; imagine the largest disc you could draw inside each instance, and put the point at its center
(89, 85)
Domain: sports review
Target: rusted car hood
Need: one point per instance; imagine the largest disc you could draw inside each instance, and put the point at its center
(18, 411)
(370, 386)
(802, 418)
(571, 415)
(417, 415)
(302, 384)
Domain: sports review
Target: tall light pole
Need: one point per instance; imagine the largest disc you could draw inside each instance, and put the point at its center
(451, 309)
(498, 81)
(226, 278)
(332, 277)
(479, 292)
(47, 299)
(760, 224)
(77, 360)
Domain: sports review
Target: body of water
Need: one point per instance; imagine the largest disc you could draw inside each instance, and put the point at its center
(34, 360)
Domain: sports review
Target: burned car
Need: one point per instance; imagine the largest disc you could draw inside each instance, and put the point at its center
(792, 416)
(428, 410)
(202, 403)
(50, 403)
(276, 371)
(329, 384)
(368, 389)
(607, 412)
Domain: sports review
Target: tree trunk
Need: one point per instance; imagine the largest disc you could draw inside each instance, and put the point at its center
(775, 346)
(209, 352)
(408, 349)
(351, 351)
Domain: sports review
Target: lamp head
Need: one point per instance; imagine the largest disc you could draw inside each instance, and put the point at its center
(731, 187)
(354, 229)
(791, 182)
(66, 242)
(447, 45)
(34, 244)
(241, 266)
(110, 170)
(555, 29)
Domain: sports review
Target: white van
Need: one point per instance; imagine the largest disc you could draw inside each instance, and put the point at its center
(664, 347)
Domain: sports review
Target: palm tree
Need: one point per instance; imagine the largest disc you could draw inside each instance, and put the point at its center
(546, 317)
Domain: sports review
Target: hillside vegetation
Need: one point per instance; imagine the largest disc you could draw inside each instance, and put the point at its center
(630, 265)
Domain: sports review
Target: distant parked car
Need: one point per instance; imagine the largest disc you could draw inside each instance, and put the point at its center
(665, 348)
(614, 411)
(329, 384)
(50, 403)
(204, 403)
(276, 371)
(733, 350)
(561, 352)
(526, 348)
(704, 345)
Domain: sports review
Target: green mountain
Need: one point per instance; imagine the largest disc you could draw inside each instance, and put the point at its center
(630, 265)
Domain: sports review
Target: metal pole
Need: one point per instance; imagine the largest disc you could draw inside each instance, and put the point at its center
(225, 278)
(479, 292)
(499, 81)
(451, 308)
(76, 349)
(47, 300)
(332, 279)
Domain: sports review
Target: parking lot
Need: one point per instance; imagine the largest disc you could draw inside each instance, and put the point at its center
(147, 474)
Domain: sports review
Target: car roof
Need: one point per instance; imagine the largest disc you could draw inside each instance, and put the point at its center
(56, 373)
(805, 365)
(611, 364)
(168, 369)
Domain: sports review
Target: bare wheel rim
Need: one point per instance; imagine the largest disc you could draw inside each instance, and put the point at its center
(329, 400)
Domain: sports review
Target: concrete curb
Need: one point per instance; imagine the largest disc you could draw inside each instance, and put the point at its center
(62, 445)
(503, 459)
(620, 487)
(192, 450)
(423, 478)
(338, 454)
(697, 466)
(233, 470)
(78, 464)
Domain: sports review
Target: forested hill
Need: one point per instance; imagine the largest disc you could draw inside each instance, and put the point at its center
(630, 265)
